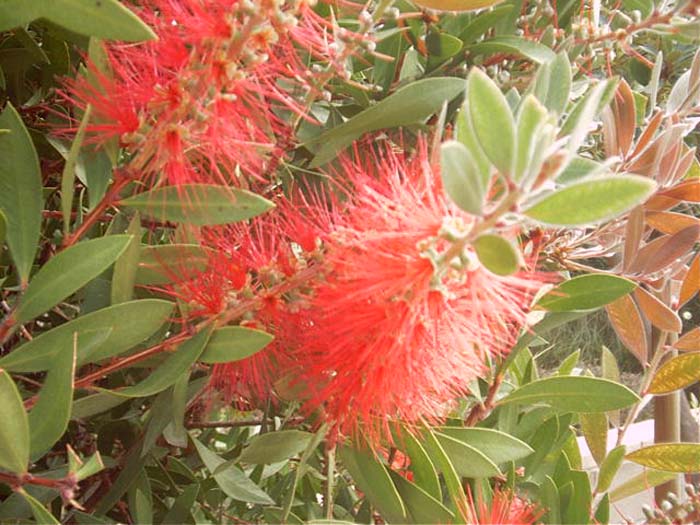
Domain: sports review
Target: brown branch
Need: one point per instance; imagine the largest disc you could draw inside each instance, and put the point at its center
(482, 410)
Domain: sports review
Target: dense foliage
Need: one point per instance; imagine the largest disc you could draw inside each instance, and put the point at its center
(284, 262)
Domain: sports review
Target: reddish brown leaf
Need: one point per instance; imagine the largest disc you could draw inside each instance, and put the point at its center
(688, 191)
(625, 116)
(633, 236)
(690, 341)
(675, 246)
(684, 164)
(691, 282)
(657, 312)
(648, 133)
(670, 222)
(660, 203)
(629, 326)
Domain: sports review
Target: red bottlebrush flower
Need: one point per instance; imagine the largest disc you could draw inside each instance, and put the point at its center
(505, 508)
(215, 95)
(254, 271)
(396, 333)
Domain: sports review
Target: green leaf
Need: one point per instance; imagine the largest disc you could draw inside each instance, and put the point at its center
(166, 374)
(592, 200)
(586, 292)
(94, 404)
(645, 480)
(168, 262)
(424, 473)
(609, 467)
(90, 467)
(14, 430)
(574, 394)
(67, 272)
(464, 132)
(48, 420)
(595, 430)
(452, 481)
(21, 197)
(3, 229)
(676, 373)
(531, 117)
(567, 365)
(41, 515)
(408, 105)
(68, 177)
(232, 481)
(498, 446)
(181, 510)
(107, 19)
(467, 460)
(126, 266)
(602, 513)
(492, 120)
(579, 119)
(579, 168)
(126, 325)
(274, 447)
(513, 45)
(671, 457)
(549, 497)
(421, 506)
(233, 343)
(199, 204)
(497, 254)
(461, 178)
(558, 83)
(373, 479)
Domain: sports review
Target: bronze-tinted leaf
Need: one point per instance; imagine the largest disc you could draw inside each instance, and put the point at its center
(675, 246)
(684, 163)
(623, 108)
(633, 236)
(670, 222)
(688, 191)
(660, 203)
(691, 282)
(629, 326)
(648, 133)
(657, 312)
(690, 341)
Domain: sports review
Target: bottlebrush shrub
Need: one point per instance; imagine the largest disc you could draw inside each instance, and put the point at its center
(282, 262)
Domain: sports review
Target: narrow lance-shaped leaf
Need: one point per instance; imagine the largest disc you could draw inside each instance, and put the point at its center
(408, 105)
(168, 372)
(40, 513)
(609, 467)
(48, 420)
(591, 201)
(586, 292)
(68, 177)
(531, 117)
(492, 120)
(233, 343)
(467, 460)
(101, 334)
(373, 479)
(20, 190)
(274, 447)
(199, 204)
(14, 430)
(126, 266)
(108, 19)
(233, 482)
(67, 272)
(574, 394)
(676, 373)
(671, 457)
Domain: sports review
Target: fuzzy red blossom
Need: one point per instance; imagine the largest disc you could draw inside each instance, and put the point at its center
(216, 96)
(396, 331)
(505, 508)
(254, 274)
